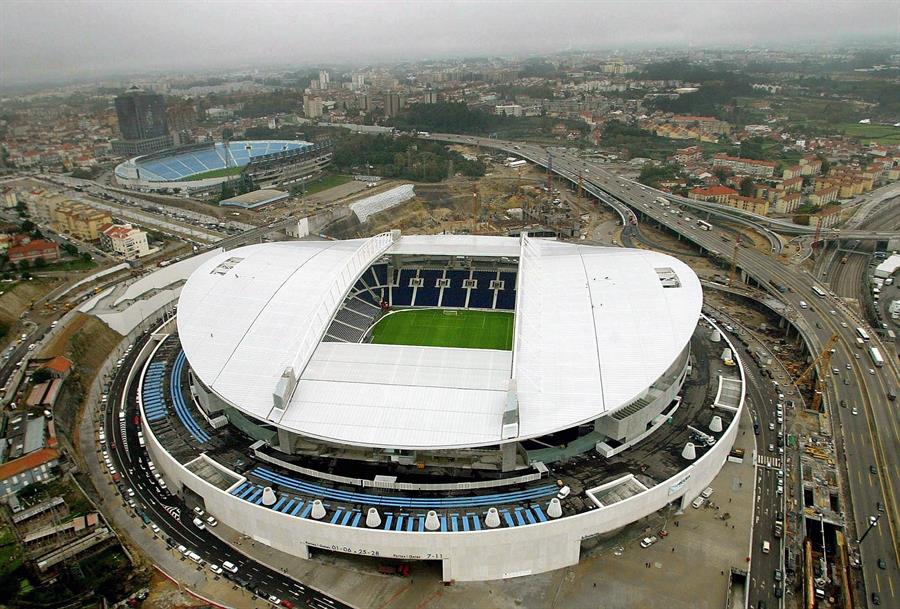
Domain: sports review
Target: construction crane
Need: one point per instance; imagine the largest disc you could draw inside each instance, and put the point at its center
(734, 258)
(823, 361)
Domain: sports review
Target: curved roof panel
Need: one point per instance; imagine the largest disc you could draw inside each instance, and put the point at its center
(595, 327)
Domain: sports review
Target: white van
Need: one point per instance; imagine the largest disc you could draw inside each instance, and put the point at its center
(766, 547)
(707, 492)
(803, 304)
(195, 557)
(698, 502)
(229, 566)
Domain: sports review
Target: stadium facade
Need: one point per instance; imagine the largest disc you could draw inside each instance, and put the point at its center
(267, 401)
(203, 168)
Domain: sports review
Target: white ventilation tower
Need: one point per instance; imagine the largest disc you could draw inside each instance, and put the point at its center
(689, 452)
(492, 520)
(554, 510)
(268, 497)
(373, 518)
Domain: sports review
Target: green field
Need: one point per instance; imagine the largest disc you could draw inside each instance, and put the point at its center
(329, 181)
(215, 173)
(881, 134)
(437, 328)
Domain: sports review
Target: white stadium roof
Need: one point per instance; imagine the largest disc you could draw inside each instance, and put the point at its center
(594, 328)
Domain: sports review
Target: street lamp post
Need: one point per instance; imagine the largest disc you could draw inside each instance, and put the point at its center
(873, 522)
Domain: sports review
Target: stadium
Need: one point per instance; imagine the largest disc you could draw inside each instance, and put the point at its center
(483, 404)
(203, 168)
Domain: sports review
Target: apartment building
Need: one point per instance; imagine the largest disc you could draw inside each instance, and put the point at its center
(751, 204)
(744, 166)
(824, 195)
(124, 240)
(80, 221)
(714, 194)
(28, 250)
(788, 203)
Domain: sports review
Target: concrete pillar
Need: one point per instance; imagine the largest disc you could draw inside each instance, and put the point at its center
(508, 456)
(716, 424)
(689, 452)
(492, 520)
(432, 523)
(318, 510)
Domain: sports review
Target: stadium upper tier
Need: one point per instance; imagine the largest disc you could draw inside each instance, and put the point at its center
(176, 165)
(594, 328)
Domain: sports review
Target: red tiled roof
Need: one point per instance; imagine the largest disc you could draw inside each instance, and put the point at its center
(59, 364)
(714, 191)
(33, 246)
(29, 461)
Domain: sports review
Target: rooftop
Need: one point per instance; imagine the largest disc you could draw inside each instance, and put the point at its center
(594, 328)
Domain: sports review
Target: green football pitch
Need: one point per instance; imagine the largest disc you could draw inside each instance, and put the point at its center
(441, 328)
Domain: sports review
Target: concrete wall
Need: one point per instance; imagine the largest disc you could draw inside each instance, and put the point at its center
(483, 555)
(659, 397)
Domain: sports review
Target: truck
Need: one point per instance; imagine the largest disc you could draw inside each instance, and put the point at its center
(779, 525)
(781, 288)
(662, 200)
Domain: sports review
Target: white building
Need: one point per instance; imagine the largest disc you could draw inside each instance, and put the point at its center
(124, 240)
(508, 110)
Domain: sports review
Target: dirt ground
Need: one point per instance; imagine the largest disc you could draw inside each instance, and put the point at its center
(164, 594)
(86, 341)
(16, 300)
(458, 205)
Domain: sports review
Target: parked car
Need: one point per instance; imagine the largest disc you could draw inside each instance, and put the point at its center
(646, 542)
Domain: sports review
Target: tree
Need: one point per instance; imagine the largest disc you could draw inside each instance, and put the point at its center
(41, 375)
(747, 187)
(28, 226)
(39, 262)
(721, 173)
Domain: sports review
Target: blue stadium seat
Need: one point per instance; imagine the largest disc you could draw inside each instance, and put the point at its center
(482, 297)
(401, 293)
(506, 298)
(455, 295)
(427, 295)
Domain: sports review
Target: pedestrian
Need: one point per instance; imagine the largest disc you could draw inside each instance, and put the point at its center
(673, 548)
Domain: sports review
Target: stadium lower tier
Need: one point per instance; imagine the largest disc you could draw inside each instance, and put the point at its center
(481, 522)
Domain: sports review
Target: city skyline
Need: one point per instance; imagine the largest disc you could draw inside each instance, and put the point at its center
(95, 40)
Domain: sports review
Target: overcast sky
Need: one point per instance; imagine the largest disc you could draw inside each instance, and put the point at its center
(46, 39)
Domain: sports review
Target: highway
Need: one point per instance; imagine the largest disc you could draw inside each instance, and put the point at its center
(171, 515)
(870, 439)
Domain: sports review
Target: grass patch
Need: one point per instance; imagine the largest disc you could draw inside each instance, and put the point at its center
(78, 264)
(214, 173)
(10, 556)
(329, 181)
(440, 328)
(881, 134)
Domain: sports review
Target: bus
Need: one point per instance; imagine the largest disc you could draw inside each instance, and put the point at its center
(818, 291)
(862, 334)
(704, 225)
(876, 357)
